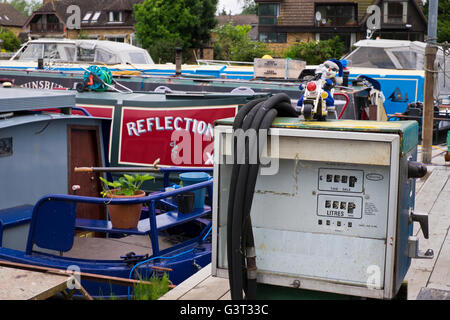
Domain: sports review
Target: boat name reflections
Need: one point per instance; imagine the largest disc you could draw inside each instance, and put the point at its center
(169, 123)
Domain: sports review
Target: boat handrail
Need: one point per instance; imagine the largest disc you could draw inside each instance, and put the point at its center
(152, 229)
(222, 62)
(110, 201)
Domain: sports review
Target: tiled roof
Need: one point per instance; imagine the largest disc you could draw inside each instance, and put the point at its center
(98, 9)
(11, 17)
(241, 19)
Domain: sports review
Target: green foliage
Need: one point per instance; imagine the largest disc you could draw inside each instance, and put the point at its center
(10, 41)
(127, 185)
(249, 7)
(24, 6)
(443, 23)
(163, 50)
(316, 52)
(153, 291)
(223, 12)
(185, 22)
(234, 44)
(83, 35)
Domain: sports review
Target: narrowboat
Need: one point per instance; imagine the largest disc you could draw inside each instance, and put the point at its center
(53, 216)
(176, 127)
(398, 65)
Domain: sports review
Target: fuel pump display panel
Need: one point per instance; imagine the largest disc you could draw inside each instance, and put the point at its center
(299, 228)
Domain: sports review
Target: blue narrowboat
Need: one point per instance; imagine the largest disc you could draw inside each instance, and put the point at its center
(52, 216)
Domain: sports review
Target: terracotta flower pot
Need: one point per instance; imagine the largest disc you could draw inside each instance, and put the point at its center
(125, 216)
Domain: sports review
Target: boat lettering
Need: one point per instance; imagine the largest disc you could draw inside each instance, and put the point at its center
(41, 84)
(169, 123)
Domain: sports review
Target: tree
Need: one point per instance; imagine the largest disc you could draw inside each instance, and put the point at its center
(10, 41)
(234, 44)
(316, 52)
(443, 23)
(249, 7)
(183, 22)
(224, 12)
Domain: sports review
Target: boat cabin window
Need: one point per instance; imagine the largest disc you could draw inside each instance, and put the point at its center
(53, 51)
(85, 54)
(408, 59)
(370, 57)
(106, 57)
(138, 58)
(32, 52)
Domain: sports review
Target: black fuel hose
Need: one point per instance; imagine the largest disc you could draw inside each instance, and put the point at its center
(255, 116)
(238, 122)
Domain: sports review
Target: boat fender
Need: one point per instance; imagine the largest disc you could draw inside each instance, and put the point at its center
(163, 89)
(242, 90)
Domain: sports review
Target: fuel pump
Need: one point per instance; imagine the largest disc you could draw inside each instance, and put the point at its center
(327, 206)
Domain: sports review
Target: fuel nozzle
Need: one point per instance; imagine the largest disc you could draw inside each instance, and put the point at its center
(416, 169)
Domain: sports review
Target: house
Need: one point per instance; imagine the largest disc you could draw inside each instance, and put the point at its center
(285, 22)
(11, 18)
(100, 19)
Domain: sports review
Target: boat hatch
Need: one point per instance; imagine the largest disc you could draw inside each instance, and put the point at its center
(18, 99)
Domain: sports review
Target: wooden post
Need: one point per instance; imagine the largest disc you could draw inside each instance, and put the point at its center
(428, 107)
(178, 61)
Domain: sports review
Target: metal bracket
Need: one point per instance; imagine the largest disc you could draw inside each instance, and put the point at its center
(415, 253)
(422, 219)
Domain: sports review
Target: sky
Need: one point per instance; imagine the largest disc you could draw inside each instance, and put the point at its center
(234, 5)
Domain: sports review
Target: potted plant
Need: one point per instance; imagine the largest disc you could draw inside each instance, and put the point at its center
(351, 22)
(125, 216)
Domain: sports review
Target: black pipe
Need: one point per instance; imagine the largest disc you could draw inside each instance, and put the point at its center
(238, 121)
(235, 224)
(263, 121)
(255, 116)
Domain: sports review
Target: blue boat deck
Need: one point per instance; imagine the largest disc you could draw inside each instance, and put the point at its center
(163, 221)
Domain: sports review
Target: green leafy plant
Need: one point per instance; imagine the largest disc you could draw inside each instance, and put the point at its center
(153, 291)
(127, 185)
(316, 52)
(184, 23)
(233, 43)
(10, 41)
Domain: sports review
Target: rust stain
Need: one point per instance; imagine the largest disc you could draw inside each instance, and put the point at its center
(287, 194)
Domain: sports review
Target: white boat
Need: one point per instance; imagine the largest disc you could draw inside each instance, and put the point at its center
(77, 55)
(398, 65)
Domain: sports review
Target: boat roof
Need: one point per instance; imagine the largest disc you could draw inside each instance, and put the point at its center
(176, 99)
(52, 40)
(106, 44)
(388, 44)
(23, 99)
(121, 52)
(383, 43)
(111, 45)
